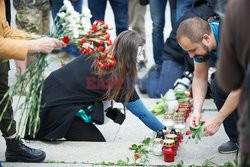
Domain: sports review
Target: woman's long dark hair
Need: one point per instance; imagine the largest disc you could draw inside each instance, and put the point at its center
(124, 49)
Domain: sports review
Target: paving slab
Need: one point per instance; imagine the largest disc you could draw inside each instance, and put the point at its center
(96, 152)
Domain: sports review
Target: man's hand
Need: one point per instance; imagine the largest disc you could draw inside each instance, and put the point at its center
(44, 45)
(195, 119)
(212, 126)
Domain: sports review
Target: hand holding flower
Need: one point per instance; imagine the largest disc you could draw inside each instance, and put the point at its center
(44, 45)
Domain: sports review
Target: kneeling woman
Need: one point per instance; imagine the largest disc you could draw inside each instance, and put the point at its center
(72, 95)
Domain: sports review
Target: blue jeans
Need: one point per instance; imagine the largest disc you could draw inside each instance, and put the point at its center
(159, 82)
(182, 6)
(157, 10)
(55, 7)
(120, 10)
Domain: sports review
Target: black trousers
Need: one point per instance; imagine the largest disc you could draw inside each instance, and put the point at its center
(8, 118)
(81, 131)
(230, 123)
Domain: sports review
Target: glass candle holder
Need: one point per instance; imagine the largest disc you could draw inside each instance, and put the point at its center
(168, 150)
(157, 147)
(168, 115)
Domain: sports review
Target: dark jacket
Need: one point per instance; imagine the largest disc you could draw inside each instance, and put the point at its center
(172, 50)
(65, 92)
(234, 59)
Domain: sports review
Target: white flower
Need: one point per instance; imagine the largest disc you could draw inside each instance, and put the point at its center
(70, 10)
(85, 23)
(68, 6)
(67, 3)
(86, 12)
(75, 33)
(75, 15)
(61, 15)
(71, 20)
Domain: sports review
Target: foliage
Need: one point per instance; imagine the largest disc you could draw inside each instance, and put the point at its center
(181, 95)
(206, 163)
(118, 163)
(141, 151)
(160, 107)
(197, 132)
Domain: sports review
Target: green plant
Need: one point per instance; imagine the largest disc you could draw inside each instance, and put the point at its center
(209, 162)
(206, 163)
(197, 132)
(181, 95)
(118, 163)
(160, 107)
(141, 151)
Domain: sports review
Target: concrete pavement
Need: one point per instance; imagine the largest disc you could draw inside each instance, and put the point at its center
(120, 138)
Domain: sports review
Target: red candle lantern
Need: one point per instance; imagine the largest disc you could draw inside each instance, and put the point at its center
(186, 106)
(168, 150)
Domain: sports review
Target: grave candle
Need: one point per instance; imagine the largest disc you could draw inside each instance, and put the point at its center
(157, 147)
(168, 150)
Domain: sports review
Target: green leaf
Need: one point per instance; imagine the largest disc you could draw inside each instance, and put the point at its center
(194, 128)
(134, 146)
(127, 159)
(146, 141)
(198, 131)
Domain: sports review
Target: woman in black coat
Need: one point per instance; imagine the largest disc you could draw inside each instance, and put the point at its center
(72, 95)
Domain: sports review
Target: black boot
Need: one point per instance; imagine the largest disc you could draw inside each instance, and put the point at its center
(16, 151)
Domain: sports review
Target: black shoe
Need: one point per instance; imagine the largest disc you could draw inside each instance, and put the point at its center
(16, 151)
(228, 148)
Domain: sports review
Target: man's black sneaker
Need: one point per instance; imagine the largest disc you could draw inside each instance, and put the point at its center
(228, 148)
(16, 151)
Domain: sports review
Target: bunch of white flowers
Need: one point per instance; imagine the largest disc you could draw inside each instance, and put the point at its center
(72, 22)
